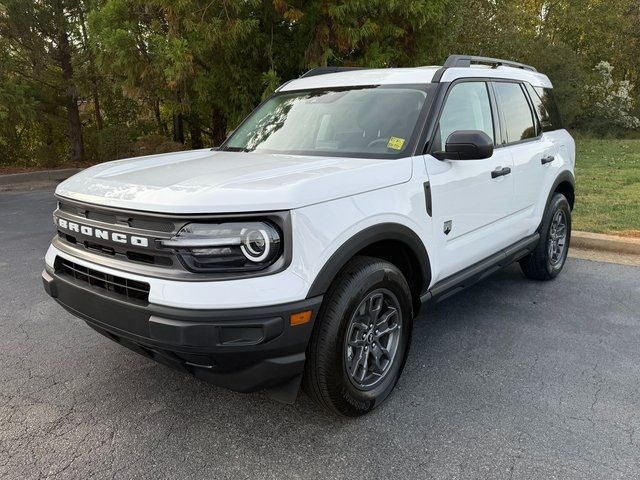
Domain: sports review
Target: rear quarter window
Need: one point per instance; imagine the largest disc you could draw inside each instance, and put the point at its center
(546, 108)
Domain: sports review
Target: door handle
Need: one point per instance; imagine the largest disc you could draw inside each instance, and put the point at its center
(499, 172)
(547, 159)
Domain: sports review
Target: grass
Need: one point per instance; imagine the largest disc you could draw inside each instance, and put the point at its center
(607, 186)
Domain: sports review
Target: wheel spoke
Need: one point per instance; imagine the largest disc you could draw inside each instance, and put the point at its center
(365, 366)
(355, 362)
(374, 307)
(376, 353)
(357, 342)
(385, 352)
(390, 314)
(357, 329)
(359, 325)
(387, 331)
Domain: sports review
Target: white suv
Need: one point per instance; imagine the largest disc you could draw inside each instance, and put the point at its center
(304, 246)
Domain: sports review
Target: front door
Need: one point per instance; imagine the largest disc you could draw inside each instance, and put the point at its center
(472, 200)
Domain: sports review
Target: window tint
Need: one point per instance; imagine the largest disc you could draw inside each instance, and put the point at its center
(517, 118)
(546, 107)
(467, 108)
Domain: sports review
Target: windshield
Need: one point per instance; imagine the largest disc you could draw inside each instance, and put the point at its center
(377, 122)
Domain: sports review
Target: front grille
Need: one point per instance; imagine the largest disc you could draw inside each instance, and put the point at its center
(131, 290)
(155, 225)
(116, 251)
(101, 217)
(141, 222)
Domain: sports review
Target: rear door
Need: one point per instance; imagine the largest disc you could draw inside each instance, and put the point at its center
(530, 150)
(471, 206)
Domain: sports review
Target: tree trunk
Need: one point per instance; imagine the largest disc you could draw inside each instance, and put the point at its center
(195, 132)
(218, 128)
(178, 123)
(71, 92)
(50, 157)
(96, 107)
(92, 71)
(162, 127)
(178, 128)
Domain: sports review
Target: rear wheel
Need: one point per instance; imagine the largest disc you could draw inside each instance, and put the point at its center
(550, 255)
(361, 339)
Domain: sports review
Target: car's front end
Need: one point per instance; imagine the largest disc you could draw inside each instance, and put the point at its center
(216, 261)
(207, 294)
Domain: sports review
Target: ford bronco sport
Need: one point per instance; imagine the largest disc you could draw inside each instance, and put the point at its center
(302, 248)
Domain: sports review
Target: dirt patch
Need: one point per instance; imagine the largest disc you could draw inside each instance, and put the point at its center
(628, 233)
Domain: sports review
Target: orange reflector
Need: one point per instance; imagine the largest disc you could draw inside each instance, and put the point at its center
(300, 318)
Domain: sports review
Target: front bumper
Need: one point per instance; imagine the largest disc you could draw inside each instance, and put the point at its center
(240, 349)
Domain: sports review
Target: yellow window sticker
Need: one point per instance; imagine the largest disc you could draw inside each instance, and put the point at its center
(396, 143)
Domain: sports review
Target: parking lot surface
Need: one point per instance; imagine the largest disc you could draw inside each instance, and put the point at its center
(509, 379)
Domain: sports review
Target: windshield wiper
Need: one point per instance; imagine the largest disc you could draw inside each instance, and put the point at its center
(234, 149)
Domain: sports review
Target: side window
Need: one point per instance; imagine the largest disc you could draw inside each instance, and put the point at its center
(467, 108)
(550, 119)
(516, 113)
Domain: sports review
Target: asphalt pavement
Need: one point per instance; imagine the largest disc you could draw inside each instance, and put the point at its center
(508, 379)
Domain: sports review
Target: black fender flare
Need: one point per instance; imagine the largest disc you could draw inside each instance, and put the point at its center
(365, 238)
(564, 176)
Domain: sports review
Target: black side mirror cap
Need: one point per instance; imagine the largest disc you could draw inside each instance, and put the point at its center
(467, 145)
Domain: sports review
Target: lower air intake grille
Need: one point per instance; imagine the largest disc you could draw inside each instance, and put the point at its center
(137, 292)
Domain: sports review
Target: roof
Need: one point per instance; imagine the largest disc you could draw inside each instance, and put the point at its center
(417, 75)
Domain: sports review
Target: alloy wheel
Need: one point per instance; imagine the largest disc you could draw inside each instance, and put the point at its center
(557, 242)
(372, 339)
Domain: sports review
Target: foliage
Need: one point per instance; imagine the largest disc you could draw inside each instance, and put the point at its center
(85, 80)
(609, 103)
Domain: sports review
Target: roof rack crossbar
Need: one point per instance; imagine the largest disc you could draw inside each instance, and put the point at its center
(325, 70)
(468, 60)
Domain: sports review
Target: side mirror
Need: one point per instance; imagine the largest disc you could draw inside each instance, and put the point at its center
(467, 145)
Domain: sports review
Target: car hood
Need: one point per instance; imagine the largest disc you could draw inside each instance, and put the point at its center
(206, 181)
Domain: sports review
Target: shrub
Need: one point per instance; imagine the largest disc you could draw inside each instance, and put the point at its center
(609, 104)
(153, 144)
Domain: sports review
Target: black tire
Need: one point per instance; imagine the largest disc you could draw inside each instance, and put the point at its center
(328, 377)
(541, 264)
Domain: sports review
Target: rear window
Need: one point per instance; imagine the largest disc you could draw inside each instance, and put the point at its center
(517, 116)
(546, 108)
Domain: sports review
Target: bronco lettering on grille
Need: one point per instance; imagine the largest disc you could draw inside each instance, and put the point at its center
(102, 234)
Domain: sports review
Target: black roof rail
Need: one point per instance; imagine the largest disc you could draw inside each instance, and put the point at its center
(465, 61)
(325, 70)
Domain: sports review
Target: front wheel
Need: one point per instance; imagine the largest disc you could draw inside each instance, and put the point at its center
(361, 340)
(550, 255)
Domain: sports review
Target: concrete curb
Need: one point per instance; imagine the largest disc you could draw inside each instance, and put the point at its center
(43, 177)
(607, 243)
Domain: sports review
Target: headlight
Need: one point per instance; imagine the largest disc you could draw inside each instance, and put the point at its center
(227, 247)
